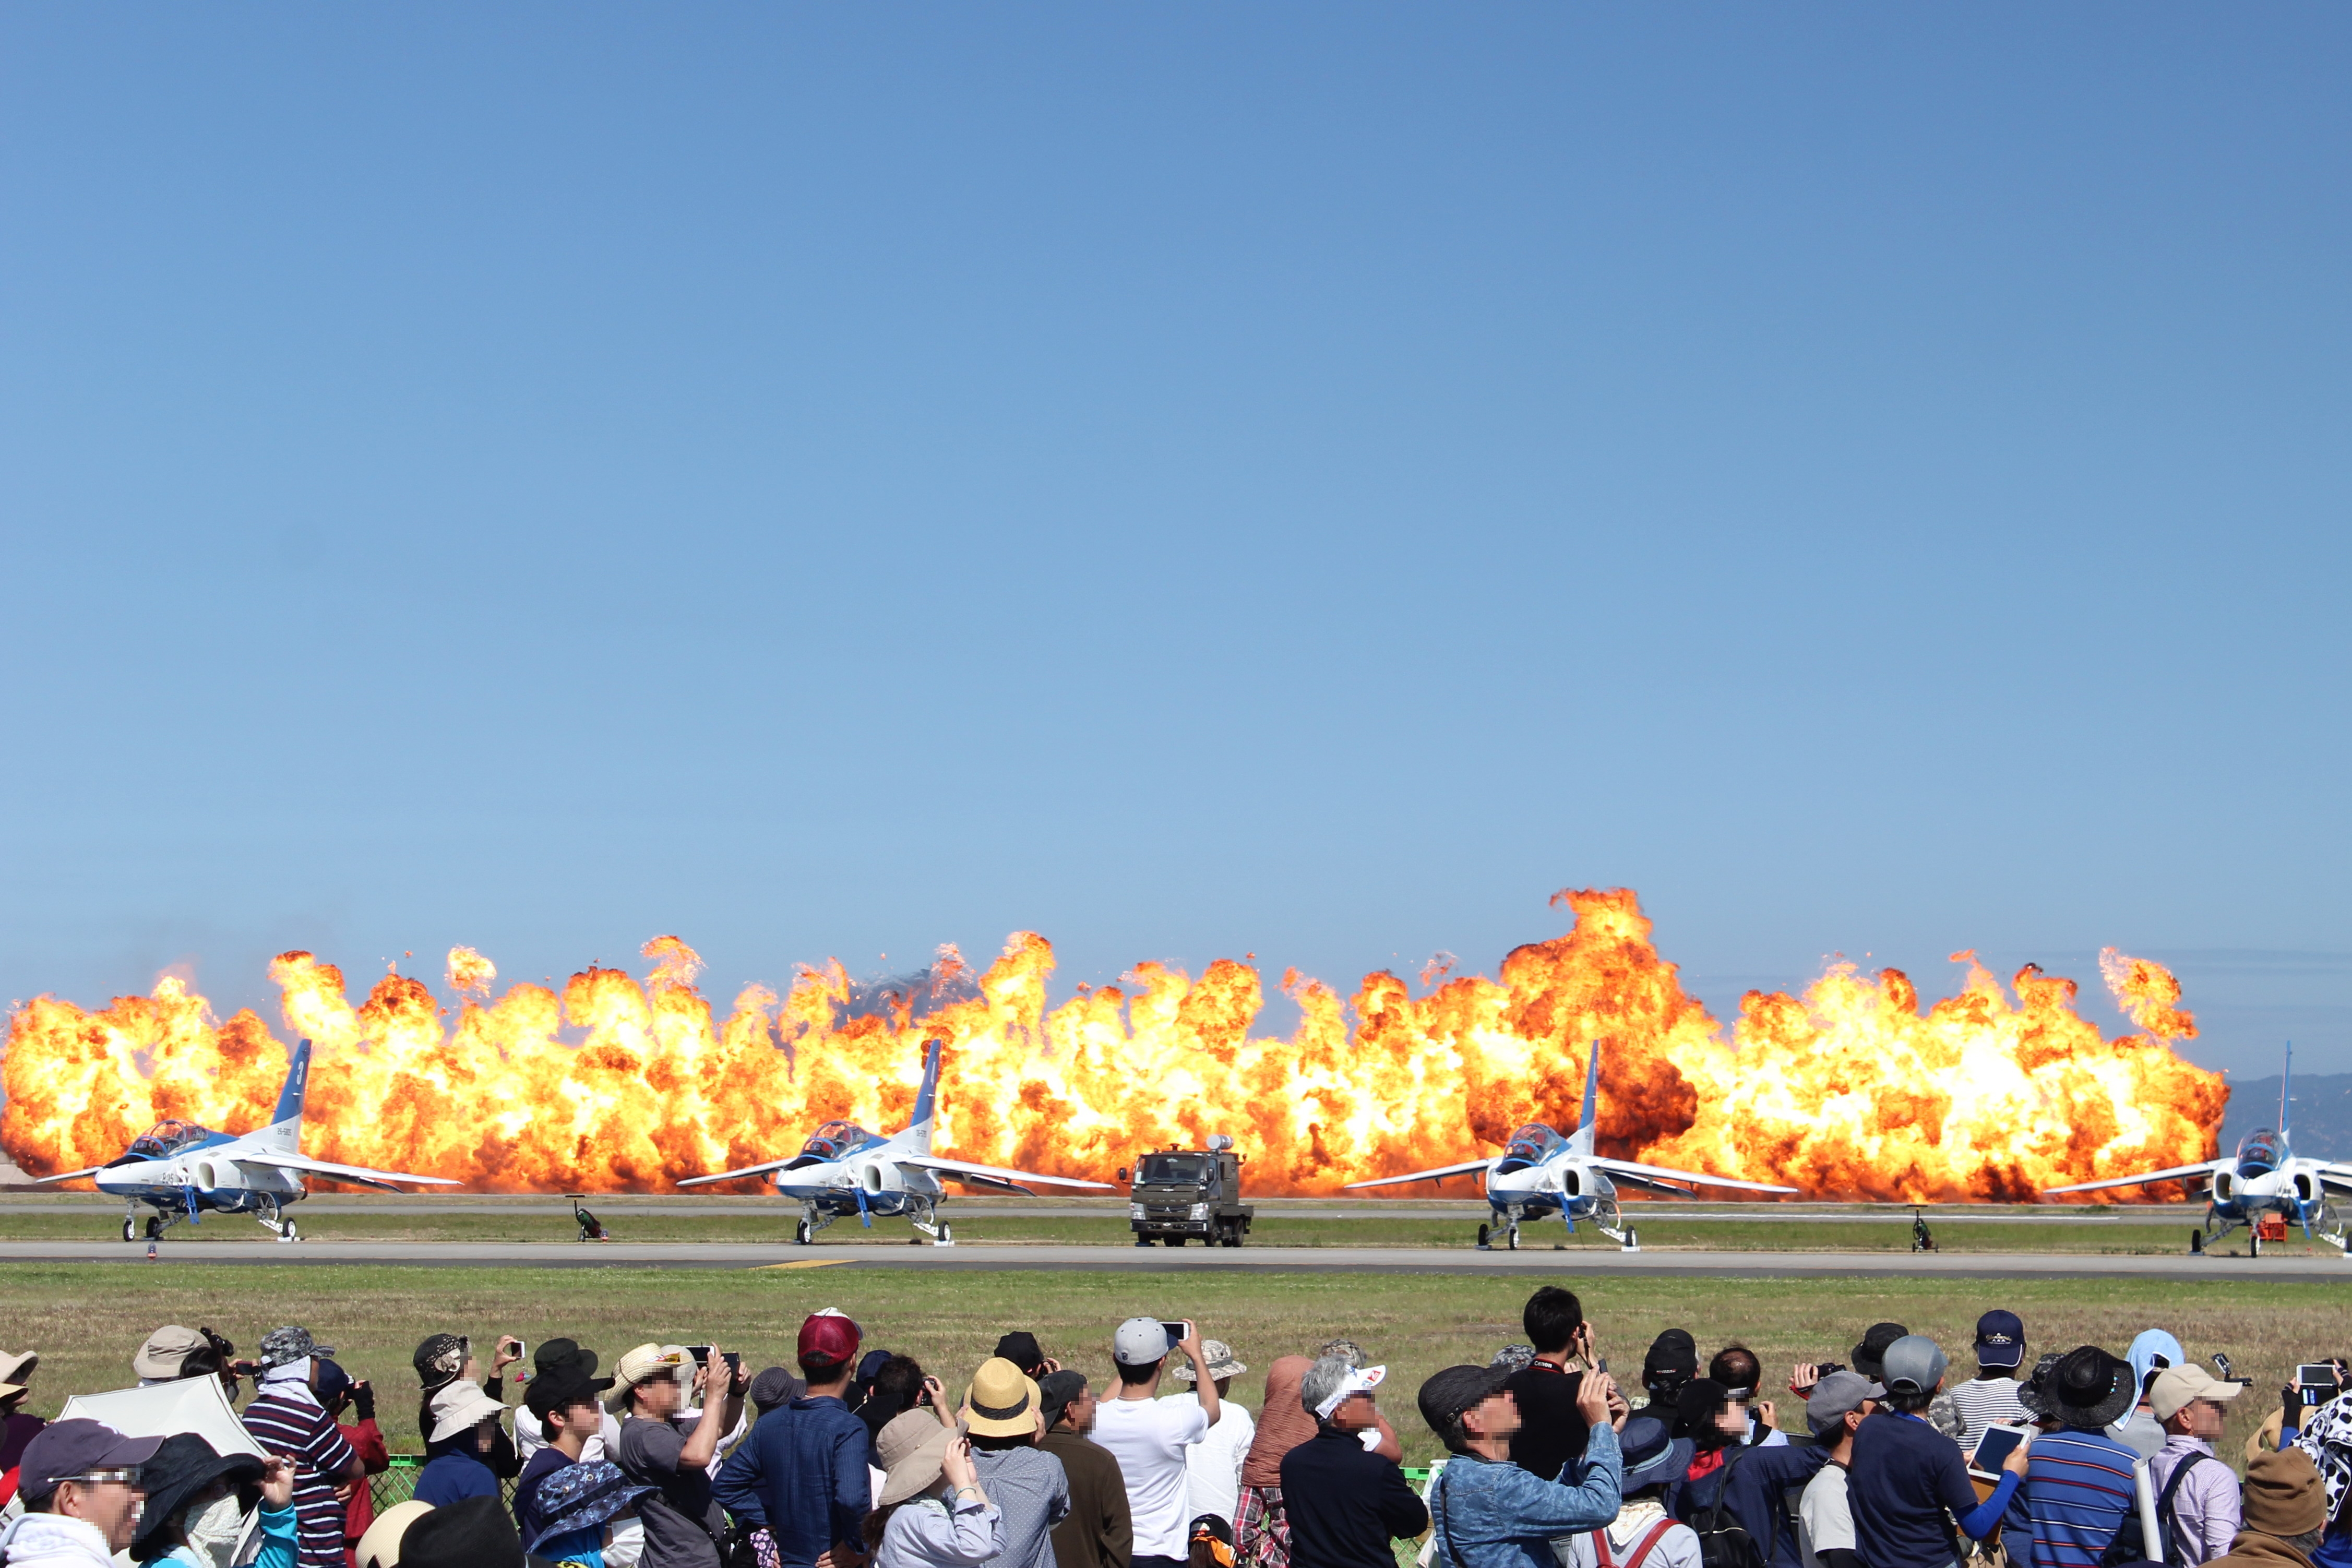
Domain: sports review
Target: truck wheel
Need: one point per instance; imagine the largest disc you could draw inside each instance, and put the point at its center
(1177, 1240)
(1141, 1239)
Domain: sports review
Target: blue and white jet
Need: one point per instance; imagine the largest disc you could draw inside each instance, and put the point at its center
(180, 1169)
(2262, 1177)
(843, 1169)
(1539, 1173)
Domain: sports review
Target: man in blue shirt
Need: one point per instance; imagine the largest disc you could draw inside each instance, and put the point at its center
(1749, 1482)
(1490, 1513)
(801, 1475)
(1905, 1477)
(2079, 1491)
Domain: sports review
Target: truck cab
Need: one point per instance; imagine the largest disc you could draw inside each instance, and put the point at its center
(1181, 1193)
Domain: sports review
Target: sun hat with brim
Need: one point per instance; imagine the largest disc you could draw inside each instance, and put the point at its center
(560, 1387)
(460, 1407)
(284, 1347)
(164, 1357)
(183, 1467)
(1002, 1401)
(637, 1367)
(2091, 1389)
(2033, 1389)
(1864, 1355)
(911, 1449)
(17, 1366)
(578, 1496)
(1222, 1361)
(554, 1352)
(1651, 1454)
(474, 1533)
(380, 1547)
(1447, 1393)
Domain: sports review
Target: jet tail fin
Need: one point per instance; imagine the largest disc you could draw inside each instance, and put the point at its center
(284, 1129)
(1581, 1141)
(917, 1136)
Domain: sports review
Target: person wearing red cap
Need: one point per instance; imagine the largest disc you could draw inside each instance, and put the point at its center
(802, 1474)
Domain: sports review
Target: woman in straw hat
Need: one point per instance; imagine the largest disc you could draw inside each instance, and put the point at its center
(931, 1511)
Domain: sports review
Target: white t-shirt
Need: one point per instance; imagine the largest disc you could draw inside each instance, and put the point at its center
(1149, 1438)
(1213, 1467)
(1824, 1522)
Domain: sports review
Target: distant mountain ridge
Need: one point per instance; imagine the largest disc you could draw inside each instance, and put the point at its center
(2322, 1124)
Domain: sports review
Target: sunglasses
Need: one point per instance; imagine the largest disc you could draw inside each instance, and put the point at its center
(104, 1477)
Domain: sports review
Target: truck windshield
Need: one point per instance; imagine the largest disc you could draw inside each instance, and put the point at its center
(1174, 1170)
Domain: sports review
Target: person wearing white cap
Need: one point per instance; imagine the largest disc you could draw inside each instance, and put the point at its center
(1345, 1503)
(2197, 1499)
(1149, 1437)
(464, 1420)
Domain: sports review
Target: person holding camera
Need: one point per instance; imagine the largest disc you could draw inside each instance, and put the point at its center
(1148, 1435)
(1489, 1511)
(1549, 1392)
(681, 1517)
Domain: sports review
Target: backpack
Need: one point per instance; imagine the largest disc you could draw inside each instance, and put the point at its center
(1723, 1540)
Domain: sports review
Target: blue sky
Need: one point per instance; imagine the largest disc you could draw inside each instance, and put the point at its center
(1306, 481)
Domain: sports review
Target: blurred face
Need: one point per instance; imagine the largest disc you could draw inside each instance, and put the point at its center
(657, 1396)
(2203, 1419)
(1355, 1414)
(484, 1435)
(108, 1500)
(1732, 1419)
(1496, 1416)
(579, 1416)
(1080, 1412)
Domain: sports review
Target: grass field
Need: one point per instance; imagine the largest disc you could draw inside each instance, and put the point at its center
(87, 1319)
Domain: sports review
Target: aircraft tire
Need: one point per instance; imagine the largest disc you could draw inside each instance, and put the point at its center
(128, 1232)
(1515, 1238)
(286, 1231)
(2253, 1244)
(946, 1235)
(1485, 1237)
(2196, 1242)
(801, 1233)
(154, 1226)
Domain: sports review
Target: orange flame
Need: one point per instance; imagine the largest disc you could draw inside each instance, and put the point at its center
(615, 1085)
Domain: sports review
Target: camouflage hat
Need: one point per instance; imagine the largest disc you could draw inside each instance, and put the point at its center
(1347, 1350)
(281, 1347)
(1515, 1357)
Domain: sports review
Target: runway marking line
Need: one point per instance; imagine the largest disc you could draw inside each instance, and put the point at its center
(805, 1264)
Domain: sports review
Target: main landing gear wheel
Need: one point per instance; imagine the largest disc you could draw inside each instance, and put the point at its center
(2197, 1244)
(1513, 1242)
(2254, 1244)
(947, 1235)
(801, 1233)
(1633, 1241)
(1486, 1239)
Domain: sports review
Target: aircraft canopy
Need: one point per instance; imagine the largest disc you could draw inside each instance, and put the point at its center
(166, 1138)
(834, 1139)
(1532, 1143)
(2261, 1150)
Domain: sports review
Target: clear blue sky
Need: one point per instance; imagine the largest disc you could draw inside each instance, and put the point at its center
(1188, 480)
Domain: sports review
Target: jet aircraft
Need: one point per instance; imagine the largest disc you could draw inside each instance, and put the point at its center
(180, 1169)
(1540, 1173)
(2262, 1177)
(843, 1169)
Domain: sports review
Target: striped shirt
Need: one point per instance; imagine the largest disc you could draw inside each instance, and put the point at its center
(2078, 1491)
(1982, 1402)
(307, 1434)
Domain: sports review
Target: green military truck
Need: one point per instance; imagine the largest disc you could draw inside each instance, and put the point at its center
(1183, 1193)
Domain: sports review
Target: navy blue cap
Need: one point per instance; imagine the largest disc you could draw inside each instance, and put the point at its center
(2000, 1340)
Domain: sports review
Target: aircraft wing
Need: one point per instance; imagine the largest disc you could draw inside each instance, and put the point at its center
(735, 1176)
(360, 1174)
(1465, 1168)
(1627, 1167)
(2178, 1173)
(996, 1173)
(67, 1175)
(1649, 1184)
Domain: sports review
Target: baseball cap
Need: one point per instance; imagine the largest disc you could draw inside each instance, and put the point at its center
(166, 1354)
(64, 1449)
(1140, 1342)
(561, 1386)
(332, 1379)
(1837, 1394)
(828, 1339)
(1671, 1362)
(283, 1347)
(1873, 1345)
(1055, 1390)
(1447, 1393)
(2176, 1387)
(1914, 1364)
(2000, 1338)
(640, 1366)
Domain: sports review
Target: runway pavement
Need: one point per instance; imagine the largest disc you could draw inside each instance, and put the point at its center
(1157, 1260)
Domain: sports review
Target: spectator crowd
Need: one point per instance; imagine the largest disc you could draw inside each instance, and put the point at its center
(855, 1457)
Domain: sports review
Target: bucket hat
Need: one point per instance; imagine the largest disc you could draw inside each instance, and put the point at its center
(1651, 1454)
(579, 1495)
(183, 1467)
(910, 1448)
